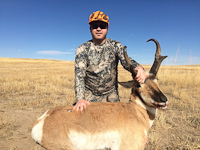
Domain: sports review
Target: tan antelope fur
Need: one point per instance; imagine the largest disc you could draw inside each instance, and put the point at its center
(117, 126)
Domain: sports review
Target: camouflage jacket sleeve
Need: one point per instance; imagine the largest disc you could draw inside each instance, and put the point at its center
(120, 54)
(80, 72)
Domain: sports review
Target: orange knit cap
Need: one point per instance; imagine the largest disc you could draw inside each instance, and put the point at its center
(99, 16)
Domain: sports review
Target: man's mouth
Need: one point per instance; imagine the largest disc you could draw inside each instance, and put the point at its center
(98, 34)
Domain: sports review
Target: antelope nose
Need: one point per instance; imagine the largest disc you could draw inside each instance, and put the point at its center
(164, 99)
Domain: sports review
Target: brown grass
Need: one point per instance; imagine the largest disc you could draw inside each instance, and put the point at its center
(28, 87)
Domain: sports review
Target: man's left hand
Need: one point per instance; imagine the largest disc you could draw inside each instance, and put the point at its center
(141, 75)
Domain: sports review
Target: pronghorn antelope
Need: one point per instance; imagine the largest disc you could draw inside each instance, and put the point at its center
(118, 126)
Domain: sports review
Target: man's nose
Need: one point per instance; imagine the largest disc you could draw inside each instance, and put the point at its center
(98, 28)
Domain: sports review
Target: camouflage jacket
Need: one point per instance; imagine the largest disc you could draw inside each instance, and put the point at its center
(96, 67)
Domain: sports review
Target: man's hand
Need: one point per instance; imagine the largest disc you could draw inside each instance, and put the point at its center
(141, 75)
(80, 105)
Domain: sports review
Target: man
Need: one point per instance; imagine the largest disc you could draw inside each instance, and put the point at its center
(96, 64)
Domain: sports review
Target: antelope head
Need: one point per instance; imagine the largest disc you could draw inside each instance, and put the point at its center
(148, 92)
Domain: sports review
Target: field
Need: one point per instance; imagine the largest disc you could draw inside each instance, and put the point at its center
(28, 87)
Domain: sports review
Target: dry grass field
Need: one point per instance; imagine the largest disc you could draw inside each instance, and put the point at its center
(28, 87)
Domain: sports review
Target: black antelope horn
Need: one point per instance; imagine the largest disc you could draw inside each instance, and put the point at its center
(134, 73)
(158, 58)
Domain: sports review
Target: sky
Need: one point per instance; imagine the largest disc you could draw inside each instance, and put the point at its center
(53, 29)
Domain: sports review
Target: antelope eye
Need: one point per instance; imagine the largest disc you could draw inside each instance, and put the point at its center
(138, 85)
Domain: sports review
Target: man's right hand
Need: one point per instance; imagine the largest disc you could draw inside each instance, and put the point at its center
(81, 104)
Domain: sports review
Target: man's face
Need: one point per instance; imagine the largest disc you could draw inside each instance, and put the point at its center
(99, 31)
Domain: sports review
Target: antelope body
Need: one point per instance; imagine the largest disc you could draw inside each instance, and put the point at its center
(118, 126)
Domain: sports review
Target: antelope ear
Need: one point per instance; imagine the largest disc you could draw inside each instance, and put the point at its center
(128, 84)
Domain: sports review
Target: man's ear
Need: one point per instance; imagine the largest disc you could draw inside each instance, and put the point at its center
(90, 27)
